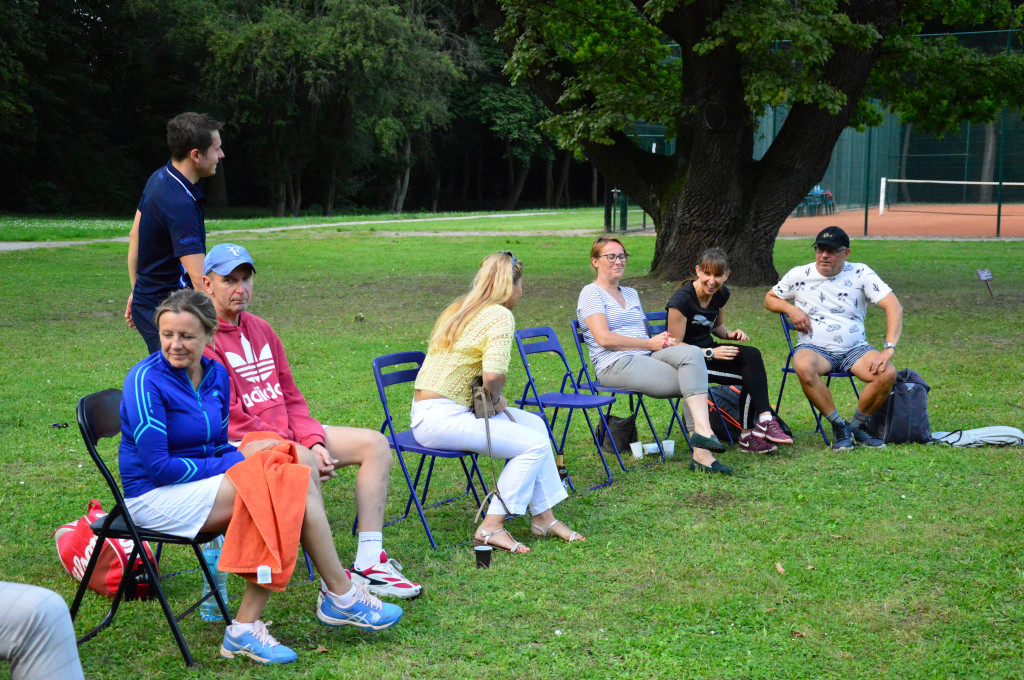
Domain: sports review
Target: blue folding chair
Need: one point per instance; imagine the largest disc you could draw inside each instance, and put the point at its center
(657, 322)
(531, 341)
(403, 442)
(596, 387)
(788, 326)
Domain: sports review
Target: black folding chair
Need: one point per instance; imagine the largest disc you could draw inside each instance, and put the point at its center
(99, 417)
(788, 326)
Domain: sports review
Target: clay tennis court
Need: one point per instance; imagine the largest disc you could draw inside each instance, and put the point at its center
(913, 221)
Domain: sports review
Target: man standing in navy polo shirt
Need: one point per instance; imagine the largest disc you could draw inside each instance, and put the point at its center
(167, 243)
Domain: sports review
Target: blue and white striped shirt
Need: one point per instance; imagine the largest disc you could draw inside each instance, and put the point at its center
(628, 321)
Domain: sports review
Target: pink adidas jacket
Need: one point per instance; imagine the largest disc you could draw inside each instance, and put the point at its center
(263, 395)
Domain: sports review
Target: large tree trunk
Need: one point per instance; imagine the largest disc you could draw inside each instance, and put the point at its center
(711, 192)
(402, 183)
(330, 190)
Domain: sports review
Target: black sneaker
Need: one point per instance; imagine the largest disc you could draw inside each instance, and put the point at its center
(842, 439)
(865, 437)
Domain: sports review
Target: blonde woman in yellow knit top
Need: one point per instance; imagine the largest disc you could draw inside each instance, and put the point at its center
(473, 337)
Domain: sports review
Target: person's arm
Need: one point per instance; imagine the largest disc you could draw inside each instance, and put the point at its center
(193, 265)
(305, 428)
(893, 330)
(720, 330)
(133, 266)
(773, 303)
(598, 325)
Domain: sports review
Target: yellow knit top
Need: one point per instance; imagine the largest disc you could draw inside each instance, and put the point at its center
(484, 345)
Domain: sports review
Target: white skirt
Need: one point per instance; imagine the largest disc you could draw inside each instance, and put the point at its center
(177, 509)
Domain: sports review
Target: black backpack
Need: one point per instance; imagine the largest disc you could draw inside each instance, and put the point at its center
(727, 398)
(903, 417)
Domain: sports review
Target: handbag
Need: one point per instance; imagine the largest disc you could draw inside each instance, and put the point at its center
(483, 407)
(75, 545)
(621, 430)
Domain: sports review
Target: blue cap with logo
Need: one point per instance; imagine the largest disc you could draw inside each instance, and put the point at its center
(223, 258)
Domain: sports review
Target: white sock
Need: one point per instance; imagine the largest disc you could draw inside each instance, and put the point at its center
(345, 600)
(764, 418)
(237, 628)
(371, 545)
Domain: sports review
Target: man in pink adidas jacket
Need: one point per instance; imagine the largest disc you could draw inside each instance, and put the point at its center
(264, 398)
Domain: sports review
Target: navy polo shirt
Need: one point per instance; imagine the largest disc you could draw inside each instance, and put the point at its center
(171, 227)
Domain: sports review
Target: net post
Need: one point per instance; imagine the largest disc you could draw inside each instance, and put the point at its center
(881, 198)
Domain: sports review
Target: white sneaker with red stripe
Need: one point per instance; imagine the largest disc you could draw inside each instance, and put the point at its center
(385, 579)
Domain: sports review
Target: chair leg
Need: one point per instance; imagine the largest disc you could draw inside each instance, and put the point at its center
(661, 446)
(600, 453)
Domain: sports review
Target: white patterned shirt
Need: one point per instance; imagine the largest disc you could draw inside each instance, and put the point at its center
(836, 305)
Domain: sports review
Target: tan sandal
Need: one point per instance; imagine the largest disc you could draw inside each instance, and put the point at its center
(543, 532)
(487, 535)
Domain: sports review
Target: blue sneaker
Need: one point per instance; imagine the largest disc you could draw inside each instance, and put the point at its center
(257, 644)
(366, 612)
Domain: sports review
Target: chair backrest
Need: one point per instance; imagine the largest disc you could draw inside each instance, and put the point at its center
(657, 322)
(542, 339)
(99, 417)
(787, 326)
(577, 337)
(396, 377)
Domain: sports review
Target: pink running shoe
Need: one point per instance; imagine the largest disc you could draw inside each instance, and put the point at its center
(771, 431)
(750, 443)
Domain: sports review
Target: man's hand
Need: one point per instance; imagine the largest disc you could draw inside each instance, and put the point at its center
(325, 464)
(881, 360)
(128, 312)
(800, 320)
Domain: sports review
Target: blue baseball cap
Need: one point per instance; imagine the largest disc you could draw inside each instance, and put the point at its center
(223, 258)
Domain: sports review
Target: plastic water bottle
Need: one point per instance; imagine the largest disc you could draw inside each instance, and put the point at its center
(209, 611)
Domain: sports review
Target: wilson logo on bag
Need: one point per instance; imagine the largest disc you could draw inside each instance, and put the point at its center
(75, 545)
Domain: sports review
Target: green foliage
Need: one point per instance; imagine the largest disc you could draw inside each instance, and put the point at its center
(611, 60)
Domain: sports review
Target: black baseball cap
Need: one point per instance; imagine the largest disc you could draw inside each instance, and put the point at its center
(832, 237)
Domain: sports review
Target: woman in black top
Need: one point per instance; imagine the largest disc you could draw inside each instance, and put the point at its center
(694, 315)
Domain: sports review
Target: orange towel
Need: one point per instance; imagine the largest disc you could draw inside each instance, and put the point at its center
(267, 517)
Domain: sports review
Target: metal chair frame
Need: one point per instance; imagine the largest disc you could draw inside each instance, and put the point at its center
(787, 326)
(404, 442)
(99, 418)
(544, 339)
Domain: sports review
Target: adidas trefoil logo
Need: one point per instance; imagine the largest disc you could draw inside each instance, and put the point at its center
(249, 367)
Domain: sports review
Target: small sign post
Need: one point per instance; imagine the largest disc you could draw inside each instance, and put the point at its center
(986, 276)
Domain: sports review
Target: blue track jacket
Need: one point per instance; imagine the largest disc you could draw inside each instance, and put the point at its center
(171, 432)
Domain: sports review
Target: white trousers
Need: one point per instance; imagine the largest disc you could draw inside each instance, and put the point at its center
(530, 477)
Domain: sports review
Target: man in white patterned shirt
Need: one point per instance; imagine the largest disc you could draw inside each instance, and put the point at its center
(827, 301)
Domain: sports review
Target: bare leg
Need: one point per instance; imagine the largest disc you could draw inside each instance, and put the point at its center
(877, 385)
(809, 367)
(698, 407)
(368, 450)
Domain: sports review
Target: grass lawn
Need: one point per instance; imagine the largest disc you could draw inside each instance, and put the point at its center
(28, 228)
(902, 562)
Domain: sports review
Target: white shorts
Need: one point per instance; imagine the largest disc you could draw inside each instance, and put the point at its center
(177, 509)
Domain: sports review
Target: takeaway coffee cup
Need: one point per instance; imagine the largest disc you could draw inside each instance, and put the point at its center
(483, 556)
(638, 449)
(670, 447)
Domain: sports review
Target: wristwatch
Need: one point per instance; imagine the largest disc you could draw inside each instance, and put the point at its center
(709, 353)
(889, 345)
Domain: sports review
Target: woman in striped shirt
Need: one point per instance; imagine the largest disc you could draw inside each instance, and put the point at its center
(624, 356)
